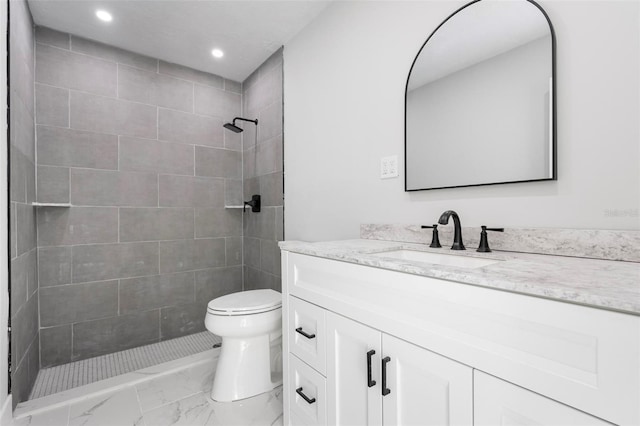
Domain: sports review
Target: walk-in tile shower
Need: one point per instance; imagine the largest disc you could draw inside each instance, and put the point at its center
(128, 237)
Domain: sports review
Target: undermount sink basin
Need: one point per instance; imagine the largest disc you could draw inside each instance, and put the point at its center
(437, 258)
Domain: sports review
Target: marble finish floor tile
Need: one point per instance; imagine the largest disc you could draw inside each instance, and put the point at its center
(53, 417)
(264, 409)
(166, 389)
(179, 397)
(193, 410)
(117, 408)
(201, 410)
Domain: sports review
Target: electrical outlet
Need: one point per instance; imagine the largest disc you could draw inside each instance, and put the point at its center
(389, 167)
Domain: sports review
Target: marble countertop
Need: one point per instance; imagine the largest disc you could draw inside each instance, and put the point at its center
(602, 284)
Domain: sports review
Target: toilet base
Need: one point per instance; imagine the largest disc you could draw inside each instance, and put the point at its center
(244, 369)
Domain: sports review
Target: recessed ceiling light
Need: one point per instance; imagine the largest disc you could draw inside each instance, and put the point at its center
(103, 15)
(217, 53)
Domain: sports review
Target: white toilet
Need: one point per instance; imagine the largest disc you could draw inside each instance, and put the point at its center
(250, 323)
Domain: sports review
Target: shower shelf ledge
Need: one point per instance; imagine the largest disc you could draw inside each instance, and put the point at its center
(36, 204)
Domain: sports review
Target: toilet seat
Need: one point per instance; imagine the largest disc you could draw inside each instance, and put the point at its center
(245, 303)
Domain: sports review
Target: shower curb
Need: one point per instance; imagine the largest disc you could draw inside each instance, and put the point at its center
(35, 406)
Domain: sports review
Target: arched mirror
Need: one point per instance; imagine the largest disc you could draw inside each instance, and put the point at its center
(480, 99)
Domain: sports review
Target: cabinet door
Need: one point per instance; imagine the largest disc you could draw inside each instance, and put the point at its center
(425, 388)
(497, 402)
(351, 402)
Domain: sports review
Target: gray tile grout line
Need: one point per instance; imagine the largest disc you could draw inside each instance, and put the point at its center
(85, 92)
(135, 242)
(117, 81)
(72, 326)
(139, 208)
(135, 389)
(140, 276)
(118, 62)
(162, 141)
(75, 381)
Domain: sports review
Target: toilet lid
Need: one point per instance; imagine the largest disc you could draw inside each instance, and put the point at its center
(245, 302)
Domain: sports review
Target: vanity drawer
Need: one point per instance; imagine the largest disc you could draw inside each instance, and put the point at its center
(307, 394)
(307, 335)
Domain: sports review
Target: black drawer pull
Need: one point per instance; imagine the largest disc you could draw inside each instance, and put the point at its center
(370, 383)
(308, 336)
(385, 390)
(305, 397)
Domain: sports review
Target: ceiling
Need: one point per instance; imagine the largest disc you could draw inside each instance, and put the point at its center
(185, 31)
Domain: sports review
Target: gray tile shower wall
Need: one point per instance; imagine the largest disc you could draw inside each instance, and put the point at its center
(24, 260)
(136, 145)
(263, 174)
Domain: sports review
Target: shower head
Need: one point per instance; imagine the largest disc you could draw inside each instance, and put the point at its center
(236, 129)
(232, 127)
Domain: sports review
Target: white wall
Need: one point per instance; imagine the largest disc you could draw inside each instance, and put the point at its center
(5, 403)
(345, 76)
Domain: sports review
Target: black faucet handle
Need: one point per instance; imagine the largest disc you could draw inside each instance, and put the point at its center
(484, 228)
(435, 241)
(484, 241)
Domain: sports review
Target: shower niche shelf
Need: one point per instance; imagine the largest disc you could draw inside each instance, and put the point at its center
(37, 204)
(254, 204)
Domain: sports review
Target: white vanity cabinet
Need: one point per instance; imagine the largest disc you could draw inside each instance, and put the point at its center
(371, 378)
(497, 402)
(457, 354)
(377, 379)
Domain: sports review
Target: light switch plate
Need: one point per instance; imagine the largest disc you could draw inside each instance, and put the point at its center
(389, 167)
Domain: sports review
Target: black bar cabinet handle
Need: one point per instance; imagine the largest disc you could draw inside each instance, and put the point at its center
(308, 336)
(305, 397)
(385, 390)
(370, 383)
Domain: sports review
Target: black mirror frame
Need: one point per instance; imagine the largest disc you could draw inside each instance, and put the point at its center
(554, 125)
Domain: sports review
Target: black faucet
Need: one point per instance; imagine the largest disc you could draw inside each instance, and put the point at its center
(457, 230)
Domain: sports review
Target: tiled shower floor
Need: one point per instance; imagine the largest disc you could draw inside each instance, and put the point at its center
(174, 393)
(67, 376)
